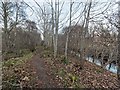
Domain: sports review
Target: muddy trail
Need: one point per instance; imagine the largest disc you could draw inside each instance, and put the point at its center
(45, 79)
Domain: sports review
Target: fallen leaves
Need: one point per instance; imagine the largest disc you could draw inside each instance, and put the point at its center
(66, 72)
(91, 76)
(26, 79)
(16, 70)
(20, 74)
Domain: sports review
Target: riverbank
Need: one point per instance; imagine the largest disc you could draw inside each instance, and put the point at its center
(68, 73)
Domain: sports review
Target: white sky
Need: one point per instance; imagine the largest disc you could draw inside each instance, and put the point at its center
(66, 7)
(32, 15)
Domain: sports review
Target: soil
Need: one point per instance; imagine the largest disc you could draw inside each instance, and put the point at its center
(45, 79)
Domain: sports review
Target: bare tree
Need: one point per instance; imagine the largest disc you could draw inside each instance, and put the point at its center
(53, 36)
(69, 29)
(118, 60)
(114, 20)
(84, 33)
(6, 9)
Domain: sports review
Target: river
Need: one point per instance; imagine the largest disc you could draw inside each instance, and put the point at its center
(113, 67)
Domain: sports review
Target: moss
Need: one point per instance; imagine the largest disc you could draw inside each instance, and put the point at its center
(12, 71)
(17, 61)
(64, 60)
(15, 54)
(25, 51)
(62, 72)
(73, 78)
(47, 54)
(99, 70)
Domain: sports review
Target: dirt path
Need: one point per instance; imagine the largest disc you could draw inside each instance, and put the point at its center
(45, 80)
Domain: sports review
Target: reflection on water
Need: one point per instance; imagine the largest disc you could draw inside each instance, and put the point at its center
(113, 67)
(96, 61)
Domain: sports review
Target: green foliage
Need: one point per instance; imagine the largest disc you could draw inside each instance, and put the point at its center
(46, 53)
(13, 71)
(69, 79)
(73, 78)
(47, 48)
(17, 61)
(25, 51)
(17, 53)
(65, 61)
(62, 72)
(99, 70)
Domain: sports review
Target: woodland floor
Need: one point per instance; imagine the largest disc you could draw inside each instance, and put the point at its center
(43, 71)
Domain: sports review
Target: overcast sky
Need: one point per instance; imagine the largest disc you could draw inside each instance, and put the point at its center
(65, 11)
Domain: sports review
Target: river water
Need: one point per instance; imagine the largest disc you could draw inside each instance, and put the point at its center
(113, 67)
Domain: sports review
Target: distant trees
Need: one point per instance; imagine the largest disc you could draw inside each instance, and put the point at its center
(44, 23)
(11, 14)
(16, 36)
(107, 45)
(33, 37)
(21, 38)
(50, 23)
(6, 12)
(114, 19)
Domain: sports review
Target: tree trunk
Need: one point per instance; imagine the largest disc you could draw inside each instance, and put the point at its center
(66, 45)
(118, 60)
(67, 37)
(5, 19)
(81, 51)
(56, 28)
(53, 36)
(84, 34)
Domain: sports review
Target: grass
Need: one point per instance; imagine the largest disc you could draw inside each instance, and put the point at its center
(64, 60)
(19, 53)
(62, 72)
(17, 61)
(70, 80)
(99, 70)
(13, 71)
(47, 53)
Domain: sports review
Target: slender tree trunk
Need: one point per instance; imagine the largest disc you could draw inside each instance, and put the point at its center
(93, 58)
(53, 35)
(81, 52)
(15, 34)
(84, 34)
(56, 28)
(5, 19)
(67, 37)
(55, 51)
(118, 60)
(66, 45)
(110, 66)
